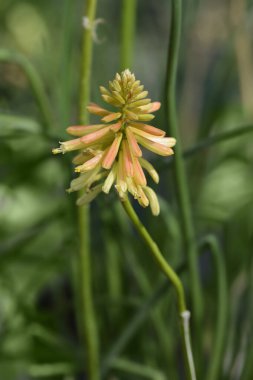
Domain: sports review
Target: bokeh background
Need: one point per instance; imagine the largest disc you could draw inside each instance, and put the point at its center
(39, 309)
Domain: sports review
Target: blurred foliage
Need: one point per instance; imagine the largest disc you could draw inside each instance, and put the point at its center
(39, 311)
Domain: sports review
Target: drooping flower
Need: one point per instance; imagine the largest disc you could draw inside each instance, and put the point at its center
(109, 153)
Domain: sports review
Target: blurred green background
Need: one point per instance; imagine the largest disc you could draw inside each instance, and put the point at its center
(39, 312)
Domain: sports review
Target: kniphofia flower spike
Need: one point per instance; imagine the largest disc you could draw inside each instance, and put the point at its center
(109, 153)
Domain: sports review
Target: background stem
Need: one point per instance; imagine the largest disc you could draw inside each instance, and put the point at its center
(180, 174)
(89, 319)
(217, 354)
(127, 33)
(128, 16)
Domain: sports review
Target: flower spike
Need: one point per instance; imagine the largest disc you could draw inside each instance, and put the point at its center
(109, 152)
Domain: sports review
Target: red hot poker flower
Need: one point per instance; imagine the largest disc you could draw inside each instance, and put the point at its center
(110, 152)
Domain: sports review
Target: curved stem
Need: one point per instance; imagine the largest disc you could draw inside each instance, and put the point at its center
(160, 325)
(218, 138)
(181, 182)
(248, 364)
(208, 143)
(160, 260)
(176, 282)
(35, 82)
(127, 33)
(89, 319)
(213, 371)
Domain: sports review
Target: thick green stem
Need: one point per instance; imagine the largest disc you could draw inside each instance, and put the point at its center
(184, 314)
(35, 83)
(181, 181)
(127, 33)
(216, 359)
(89, 319)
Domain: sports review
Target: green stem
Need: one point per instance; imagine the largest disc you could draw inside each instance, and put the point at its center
(67, 35)
(176, 282)
(127, 33)
(35, 83)
(213, 371)
(181, 182)
(209, 142)
(248, 362)
(160, 325)
(89, 319)
(218, 138)
(126, 52)
(87, 59)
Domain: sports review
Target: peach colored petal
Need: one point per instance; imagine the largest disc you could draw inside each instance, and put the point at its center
(155, 147)
(115, 127)
(121, 185)
(139, 176)
(111, 117)
(97, 110)
(81, 130)
(95, 137)
(155, 106)
(68, 146)
(141, 132)
(131, 115)
(166, 141)
(127, 158)
(90, 164)
(148, 129)
(110, 156)
(133, 145)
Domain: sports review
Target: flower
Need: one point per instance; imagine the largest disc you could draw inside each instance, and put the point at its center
(109, 153)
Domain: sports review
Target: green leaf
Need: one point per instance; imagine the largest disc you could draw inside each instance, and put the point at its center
(12, 125)
(226, 189)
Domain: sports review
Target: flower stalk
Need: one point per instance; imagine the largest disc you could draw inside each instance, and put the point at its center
(180, 174)
(127, 32)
